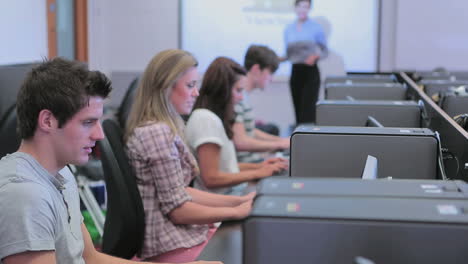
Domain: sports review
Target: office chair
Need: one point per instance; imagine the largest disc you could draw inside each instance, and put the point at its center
(127, 102)
(125, 221)
(9, 139)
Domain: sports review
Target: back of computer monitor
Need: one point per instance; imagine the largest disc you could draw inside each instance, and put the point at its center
(339, 152)
(365, 91)
(355, 113)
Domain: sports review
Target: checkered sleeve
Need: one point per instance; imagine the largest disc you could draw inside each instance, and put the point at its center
(164, 164)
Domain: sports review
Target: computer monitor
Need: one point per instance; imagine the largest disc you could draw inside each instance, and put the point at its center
(355, 113)
(361, 78)
(370, 171)
(330, 152)
(11, 78)
(365, 91)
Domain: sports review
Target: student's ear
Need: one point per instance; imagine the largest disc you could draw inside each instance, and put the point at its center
(46, 121)
(256, 68)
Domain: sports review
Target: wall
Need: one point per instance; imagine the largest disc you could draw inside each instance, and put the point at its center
(148, 26)
(153, 26)
(430, 34)
(123, 36)
(23, 26)
(387, 35)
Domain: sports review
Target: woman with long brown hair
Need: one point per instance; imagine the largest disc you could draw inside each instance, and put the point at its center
(209, 132)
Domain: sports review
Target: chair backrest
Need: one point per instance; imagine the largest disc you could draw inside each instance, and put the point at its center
(125, 220)
(9, 139)
(127, 102)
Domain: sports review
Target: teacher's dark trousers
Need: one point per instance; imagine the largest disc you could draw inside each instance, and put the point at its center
(305, 85)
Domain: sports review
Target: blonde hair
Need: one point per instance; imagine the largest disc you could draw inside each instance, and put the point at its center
(152, 103)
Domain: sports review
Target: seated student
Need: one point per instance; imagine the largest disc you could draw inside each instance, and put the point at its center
(176, 216)
(59, 108)
(209, 132)
(261, 63)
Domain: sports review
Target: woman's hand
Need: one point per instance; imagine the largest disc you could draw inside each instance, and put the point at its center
(243, 210)
(282, 59)
(312, 59)
(247, 197)
(277, 160)
(269, 169)
(284, 143)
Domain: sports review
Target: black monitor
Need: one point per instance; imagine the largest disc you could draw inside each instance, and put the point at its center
(332, 151)
(355, 113)
(11, 79)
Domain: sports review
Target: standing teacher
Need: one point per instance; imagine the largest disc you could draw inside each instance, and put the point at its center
(305, 44)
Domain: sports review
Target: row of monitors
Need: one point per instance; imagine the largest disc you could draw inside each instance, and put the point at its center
(445, 92)
(385, 87)
(340, 143)
(323, 220)
(441, 75)
(454, 139)
(317, 220)
(351, 99)
(424, 113)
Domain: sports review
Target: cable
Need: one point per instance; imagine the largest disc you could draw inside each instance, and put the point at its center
(462, 120)
(450, 155)
(440, 158)
(425, 120)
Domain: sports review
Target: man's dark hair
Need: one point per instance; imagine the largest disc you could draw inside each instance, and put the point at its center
(263, 56)
(216, 90)
(61, 86)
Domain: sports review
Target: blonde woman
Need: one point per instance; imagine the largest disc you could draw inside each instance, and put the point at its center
(177, 217)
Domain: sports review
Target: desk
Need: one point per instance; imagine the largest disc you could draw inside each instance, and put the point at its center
(225, 245)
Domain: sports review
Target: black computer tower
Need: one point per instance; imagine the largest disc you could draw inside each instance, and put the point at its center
(297, 229)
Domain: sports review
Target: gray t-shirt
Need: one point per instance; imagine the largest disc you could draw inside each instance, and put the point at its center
(39, 211)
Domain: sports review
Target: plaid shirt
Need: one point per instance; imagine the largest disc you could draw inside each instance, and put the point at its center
(164, 166)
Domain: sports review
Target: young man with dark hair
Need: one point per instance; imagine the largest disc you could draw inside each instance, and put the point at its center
(59, 108)
(261, 63)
